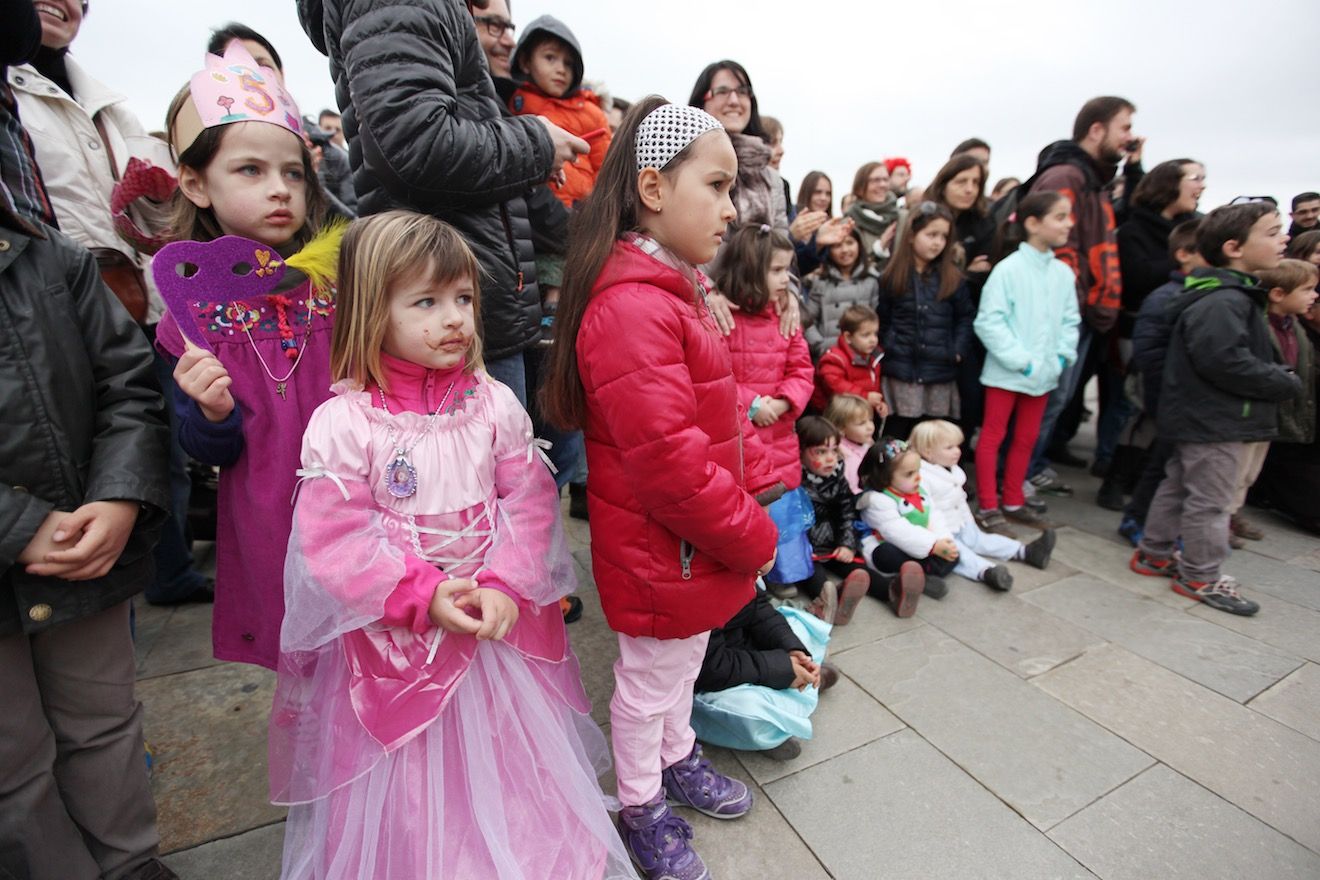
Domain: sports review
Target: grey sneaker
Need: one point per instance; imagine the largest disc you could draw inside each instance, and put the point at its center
(1047, 482)
(998, 578)
(693, 782)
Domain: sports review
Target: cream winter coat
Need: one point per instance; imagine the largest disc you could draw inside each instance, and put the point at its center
(948, 497)
(73, 158)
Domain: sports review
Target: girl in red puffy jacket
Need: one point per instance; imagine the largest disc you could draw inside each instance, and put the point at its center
(774, 374)
(677, 534)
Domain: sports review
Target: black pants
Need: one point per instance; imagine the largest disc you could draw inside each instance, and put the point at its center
(1149, 482)
(834, 570)
(889, 558)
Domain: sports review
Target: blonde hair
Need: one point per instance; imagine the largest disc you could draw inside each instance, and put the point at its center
(927, 436)
(845, 409)
(377, 253)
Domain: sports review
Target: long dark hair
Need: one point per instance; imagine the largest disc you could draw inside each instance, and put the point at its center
(897, 276)
(744, 263)
(808, 188)
(596, 224)
(1161, 185)
(1014, 232)
(959, 163)
(702, 86)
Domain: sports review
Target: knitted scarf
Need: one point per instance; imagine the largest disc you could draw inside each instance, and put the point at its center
(754, 195)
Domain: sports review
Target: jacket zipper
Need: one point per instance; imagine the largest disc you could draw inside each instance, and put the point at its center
(513, 246)
(685, 553)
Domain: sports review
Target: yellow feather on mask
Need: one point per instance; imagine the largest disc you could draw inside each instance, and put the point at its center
(319, 258)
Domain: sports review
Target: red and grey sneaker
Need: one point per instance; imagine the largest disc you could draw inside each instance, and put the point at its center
(1153, 566)
(1222, 594)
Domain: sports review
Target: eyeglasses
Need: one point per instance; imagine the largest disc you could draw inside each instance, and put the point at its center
(1195, 178)
(1247, 200)
(722, 92)
(495, 25)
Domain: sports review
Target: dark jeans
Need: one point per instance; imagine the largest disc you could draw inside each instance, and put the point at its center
(176, 577)
(834, 570)
(1115, 409)
(1149, 482)
(567, 449)
(889, 558)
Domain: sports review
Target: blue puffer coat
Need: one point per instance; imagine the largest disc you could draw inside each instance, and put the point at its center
(923, 335)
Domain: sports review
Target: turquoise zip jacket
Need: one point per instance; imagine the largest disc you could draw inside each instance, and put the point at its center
(1222, 383)
(1028, 322)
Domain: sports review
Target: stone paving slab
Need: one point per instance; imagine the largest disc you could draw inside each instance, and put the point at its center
(1294, 701)
(1256, 763)
(1284, 626)
(900, 810)
(253, 855)
(1283, 540)
(1163, 825)
(207, 729)
(1003, 627)
(1260, 574)
(1234, 665)
(871, 622)
(1043, 759)
(846, 718)
(183, 644)
(1093, 555)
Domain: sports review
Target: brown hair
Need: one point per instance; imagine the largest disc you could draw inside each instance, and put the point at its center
(809, 186)
(844, 409)
(1183, 237)
(1161, 185)
(970, 144)
(191, 223)
(1228, 223)
(860, 178)
(952, 168)
(876, 470)
(813, 431)
(1290, 275)
(855, 316)
(1101, 110)
(377, 253)
(597, 222)
(744, 263)
(897, 276)
(1304, 245)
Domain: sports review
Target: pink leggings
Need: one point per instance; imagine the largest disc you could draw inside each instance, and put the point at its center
(999, 406)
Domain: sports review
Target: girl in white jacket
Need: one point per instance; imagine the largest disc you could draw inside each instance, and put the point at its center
(939, 443)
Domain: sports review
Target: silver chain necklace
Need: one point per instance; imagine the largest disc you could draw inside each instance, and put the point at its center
(400, 475)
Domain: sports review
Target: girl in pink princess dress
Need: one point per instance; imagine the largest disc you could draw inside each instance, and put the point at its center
(429, 718)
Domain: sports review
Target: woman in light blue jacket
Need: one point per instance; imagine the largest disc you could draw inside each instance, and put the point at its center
(1028, 322)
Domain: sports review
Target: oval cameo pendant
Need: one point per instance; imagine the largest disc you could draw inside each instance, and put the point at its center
(401, 478)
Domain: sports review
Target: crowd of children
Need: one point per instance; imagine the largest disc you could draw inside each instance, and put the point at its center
(748, 490)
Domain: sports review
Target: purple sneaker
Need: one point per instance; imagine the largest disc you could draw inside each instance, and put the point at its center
(693, 782)
(657, 840)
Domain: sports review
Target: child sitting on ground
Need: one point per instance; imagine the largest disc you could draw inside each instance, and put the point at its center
(834, 544)
(852, 366)
(855, 419)
(939, 443)
(1221, 390)
(760, 679)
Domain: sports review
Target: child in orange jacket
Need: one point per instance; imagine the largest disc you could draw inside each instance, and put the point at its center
(549, 61)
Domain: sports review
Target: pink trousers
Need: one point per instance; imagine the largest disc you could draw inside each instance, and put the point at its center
(651, 711)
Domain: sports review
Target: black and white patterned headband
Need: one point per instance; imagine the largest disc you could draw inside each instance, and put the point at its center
(667, 130)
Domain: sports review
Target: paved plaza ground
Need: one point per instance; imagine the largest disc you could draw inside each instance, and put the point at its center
(1090, 723)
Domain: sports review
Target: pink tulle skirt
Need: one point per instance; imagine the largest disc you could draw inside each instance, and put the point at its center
(503, 785)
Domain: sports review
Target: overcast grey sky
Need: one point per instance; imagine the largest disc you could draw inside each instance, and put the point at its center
(1226, 82)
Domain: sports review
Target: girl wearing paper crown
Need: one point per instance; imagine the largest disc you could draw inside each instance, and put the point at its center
(250, 296)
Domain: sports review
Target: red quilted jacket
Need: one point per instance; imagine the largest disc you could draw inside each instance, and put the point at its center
(768, 365)
(843, 371)
(676, 538)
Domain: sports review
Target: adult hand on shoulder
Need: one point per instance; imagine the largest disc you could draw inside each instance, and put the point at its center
(721, 310)
(567, 146)
(200, 375)
(101, 529)
(805, 224)
(790, 315)
(444, 611)
(498, 612)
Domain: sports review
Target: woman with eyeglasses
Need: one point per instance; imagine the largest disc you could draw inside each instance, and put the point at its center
(875, 211)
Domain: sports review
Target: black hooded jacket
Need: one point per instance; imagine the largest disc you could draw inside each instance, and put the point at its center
(1221, 381)
(427, 132)
(752, 648)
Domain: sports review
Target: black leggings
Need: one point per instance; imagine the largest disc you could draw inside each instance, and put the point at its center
(889, 558)
(834, 570)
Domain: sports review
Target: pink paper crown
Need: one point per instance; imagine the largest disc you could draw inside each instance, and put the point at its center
(234, 89)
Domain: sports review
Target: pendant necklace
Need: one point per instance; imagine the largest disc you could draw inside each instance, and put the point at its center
(400, 475)
(282, 383)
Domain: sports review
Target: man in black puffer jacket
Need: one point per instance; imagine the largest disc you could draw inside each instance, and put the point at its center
(427, 133)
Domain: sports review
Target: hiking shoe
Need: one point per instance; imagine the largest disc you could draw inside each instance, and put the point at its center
(935, 587)
(1151, 566)
(693, 782)
(1221, 594)
(1131, 529)
(905, 588)
(998, 578)
(829, 676)
(855, 586)
(1244, 528)
(1037, 554)
(1047, 482)
(1036, 503)
(657, 840)
(1027, 517)
(826, 605)
(1110, 496)
(993, 521)
(785, 751)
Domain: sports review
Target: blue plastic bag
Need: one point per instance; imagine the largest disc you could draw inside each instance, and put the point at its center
(793, 516)
(752, 717)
